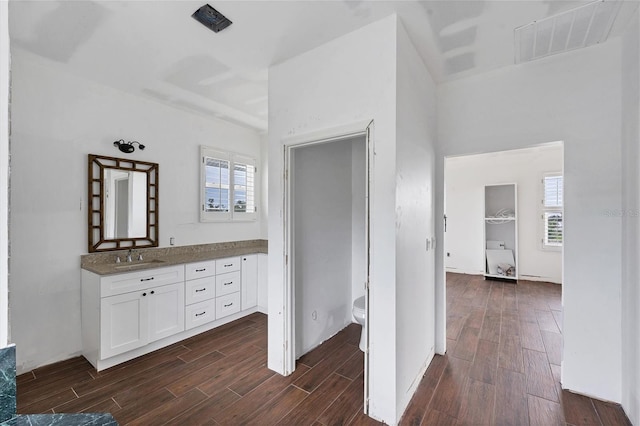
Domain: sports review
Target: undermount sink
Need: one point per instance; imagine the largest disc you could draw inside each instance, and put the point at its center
(134, 265)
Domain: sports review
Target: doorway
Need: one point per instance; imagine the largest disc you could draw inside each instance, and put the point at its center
(326, 224)
(538, 173)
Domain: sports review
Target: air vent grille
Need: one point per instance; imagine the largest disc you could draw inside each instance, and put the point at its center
(211, 18)
(580, 27)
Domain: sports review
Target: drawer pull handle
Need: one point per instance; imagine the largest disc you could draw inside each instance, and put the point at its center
(227, 265)
(229, 283)
(201, 313)
(146, 279)
(198, 290)
(230, 304)
(201, 270)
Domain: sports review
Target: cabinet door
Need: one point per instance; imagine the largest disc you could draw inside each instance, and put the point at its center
(249, 281)
(166, 311)
(123, 323)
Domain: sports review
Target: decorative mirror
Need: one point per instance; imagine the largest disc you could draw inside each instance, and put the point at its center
(123, 204)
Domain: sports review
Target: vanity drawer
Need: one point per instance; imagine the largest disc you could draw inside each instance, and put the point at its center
(112, 285)
(200, 269)
(228, 264)
(227, 283)
(227, 305)
(200, 289)
(200, 313)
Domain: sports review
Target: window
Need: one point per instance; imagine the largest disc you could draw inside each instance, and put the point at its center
(228, 186)
(552, 214)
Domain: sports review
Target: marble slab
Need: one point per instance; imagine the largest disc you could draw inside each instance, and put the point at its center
(81, 419)
(7, 383)
(104, 263)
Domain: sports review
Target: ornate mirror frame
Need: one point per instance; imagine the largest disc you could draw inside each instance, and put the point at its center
(96, 204)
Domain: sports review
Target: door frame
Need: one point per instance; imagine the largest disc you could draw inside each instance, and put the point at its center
(336, 134)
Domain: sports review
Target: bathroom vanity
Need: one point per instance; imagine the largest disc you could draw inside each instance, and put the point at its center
(130, 309)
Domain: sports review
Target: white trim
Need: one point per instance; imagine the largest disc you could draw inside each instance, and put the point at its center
(328, 135)
(5, 67)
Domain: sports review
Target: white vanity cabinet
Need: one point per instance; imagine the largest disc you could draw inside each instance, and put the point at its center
(201, 292)
(131, 320)
(228, 280)
(128, 314)
(127, 311)
(249, 281)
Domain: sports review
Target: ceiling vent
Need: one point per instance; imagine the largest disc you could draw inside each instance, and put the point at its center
(211, 18)
(576, 28)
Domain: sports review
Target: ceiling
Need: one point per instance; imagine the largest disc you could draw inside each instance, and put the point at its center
(155, 49)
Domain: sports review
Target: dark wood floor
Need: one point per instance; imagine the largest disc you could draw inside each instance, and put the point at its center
(218, 377)
(502, 367)
(504, 347)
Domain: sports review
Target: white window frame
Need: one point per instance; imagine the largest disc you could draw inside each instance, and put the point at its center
(545, 210)
(233, 158)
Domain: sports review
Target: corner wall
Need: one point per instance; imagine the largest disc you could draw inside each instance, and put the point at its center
(415, 292)
(630, 220)
(346, 81)
(59, 118)
(573, 97)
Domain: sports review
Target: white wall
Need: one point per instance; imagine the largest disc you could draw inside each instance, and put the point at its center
(573, 97)
(630, 216)
(4, 172)
(58, 119)
(415, 299)
(372, 73)
(345, 81)
(322, 241)
(465, 178)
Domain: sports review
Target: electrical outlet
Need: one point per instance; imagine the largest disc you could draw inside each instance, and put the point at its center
(314, 315)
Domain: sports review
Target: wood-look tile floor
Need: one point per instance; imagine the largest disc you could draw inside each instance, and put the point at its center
(504, 347)
(218, 377)
(502, 367)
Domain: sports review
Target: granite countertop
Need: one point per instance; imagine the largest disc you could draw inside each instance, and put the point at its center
(81, 419)
(104, 263)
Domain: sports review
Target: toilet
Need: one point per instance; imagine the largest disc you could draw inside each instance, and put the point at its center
(359, 314)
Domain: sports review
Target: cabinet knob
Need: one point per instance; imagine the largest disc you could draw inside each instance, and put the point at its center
(153, 292)
(144, 294)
